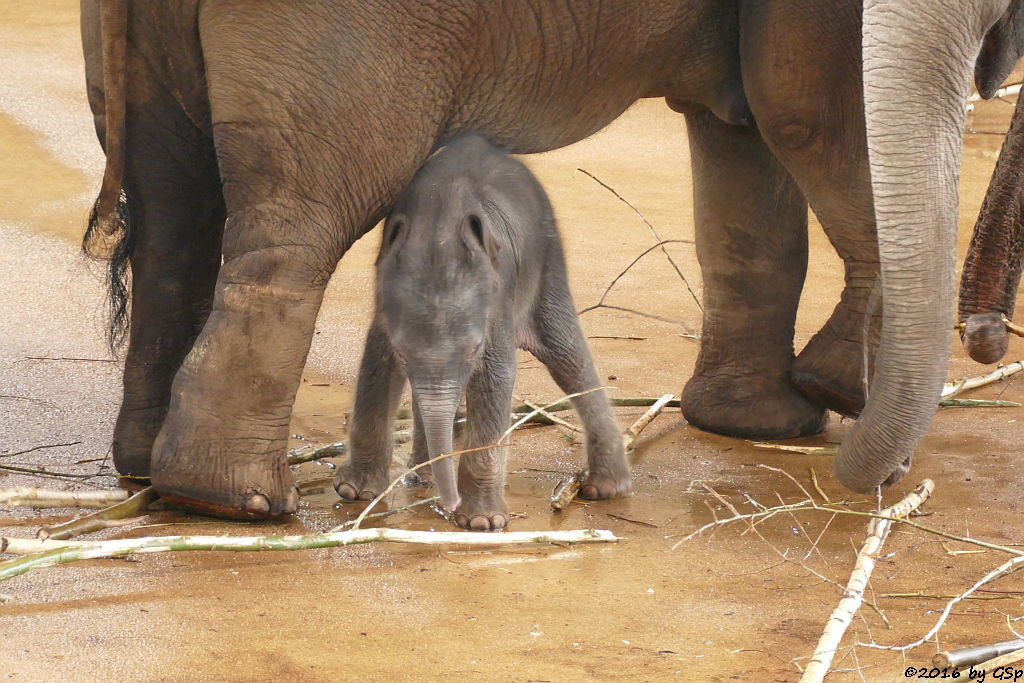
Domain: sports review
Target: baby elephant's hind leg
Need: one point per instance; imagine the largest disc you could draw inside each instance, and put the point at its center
(559, 344)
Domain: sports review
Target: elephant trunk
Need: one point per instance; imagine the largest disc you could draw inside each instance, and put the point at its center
(914, 100)
(992, 267)
(438, 405)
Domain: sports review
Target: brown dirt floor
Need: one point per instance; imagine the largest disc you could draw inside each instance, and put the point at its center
(723, 606)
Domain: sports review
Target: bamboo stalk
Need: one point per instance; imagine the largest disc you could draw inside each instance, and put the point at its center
(878, 531)
(969, 656)
(26, 496)
(131, 546)
(101, 518)
(976, 403)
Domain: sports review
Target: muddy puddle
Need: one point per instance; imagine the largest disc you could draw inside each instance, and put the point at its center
(726, 605)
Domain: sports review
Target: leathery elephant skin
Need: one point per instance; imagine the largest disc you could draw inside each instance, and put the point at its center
(230, 145)
(470, 267)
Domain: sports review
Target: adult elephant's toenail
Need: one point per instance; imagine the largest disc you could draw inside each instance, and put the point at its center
(257, 504)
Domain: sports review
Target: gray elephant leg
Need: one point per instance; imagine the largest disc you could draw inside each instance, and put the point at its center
(751, 230)
(299, 188)
(813, 120)
(488, 405)
(175, 241)
(558, 343)
(371, 440)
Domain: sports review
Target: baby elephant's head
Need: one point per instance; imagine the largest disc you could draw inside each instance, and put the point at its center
(437, 289)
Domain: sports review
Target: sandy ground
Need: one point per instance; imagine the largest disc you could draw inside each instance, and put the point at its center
(725, 606)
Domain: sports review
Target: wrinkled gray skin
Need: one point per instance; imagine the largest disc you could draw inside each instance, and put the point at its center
(919, 58)
(471, 265)
(259, 145)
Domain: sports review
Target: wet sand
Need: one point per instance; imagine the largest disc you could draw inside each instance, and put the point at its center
(723, 606)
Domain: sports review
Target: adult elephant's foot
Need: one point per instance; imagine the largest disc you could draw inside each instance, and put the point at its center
(830, 372)
(481, 513)
(750, 406)
(355, 482)
(198, 469)
(134, 433)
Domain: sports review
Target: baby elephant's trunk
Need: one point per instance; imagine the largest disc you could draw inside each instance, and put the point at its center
(437, 410)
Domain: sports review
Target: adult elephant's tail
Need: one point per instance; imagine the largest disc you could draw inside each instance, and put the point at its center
(110, 232)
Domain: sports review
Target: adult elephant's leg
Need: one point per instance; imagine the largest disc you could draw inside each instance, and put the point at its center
(751, 229)
(813, 120)
(175, 237)
(307, 167)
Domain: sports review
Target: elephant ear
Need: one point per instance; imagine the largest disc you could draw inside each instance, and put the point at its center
(1002, 47)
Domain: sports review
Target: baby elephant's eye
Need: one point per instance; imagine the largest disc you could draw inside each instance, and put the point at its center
(472, 354)
(399, 356)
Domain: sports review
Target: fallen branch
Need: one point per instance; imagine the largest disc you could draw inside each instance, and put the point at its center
(39, 448)
(653, 232)
(51, 498)
(131, 546)
(630, 435)
(554, 418)
(951, 389)
(333, 450)
(969, 656)
(806, 450)
(566, 491)
(878, 531)
(102, 519)
(1013, 329)
(1002, 661)
(976, 403)
(1007, 567)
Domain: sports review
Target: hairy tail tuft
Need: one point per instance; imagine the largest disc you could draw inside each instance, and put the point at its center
(117, 248)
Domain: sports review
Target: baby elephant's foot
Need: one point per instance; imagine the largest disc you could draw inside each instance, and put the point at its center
(480, 515)
(602, 484)
(358, 483)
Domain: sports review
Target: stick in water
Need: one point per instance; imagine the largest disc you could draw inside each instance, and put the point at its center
(130, 546)
(878, 531)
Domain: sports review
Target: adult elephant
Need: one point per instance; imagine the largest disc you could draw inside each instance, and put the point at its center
(274, 134)
(919, 57)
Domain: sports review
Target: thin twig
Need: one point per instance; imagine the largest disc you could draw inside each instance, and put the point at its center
(387, 513)
(878, 531)
(332, 450)
(653, 232)
(131, 546)
(39, 448)
(554, 418)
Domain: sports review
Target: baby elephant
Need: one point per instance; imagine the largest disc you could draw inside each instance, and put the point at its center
(470, 266)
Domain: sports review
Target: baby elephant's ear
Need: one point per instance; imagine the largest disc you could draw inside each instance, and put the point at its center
(477, 232)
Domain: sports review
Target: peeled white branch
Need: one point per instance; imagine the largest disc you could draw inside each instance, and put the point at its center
(951, 389)
(851, 601)
(50, 498)
(85, 550)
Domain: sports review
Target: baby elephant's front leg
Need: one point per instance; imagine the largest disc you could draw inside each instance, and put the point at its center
(378, 390)
(482, 473)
